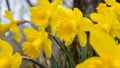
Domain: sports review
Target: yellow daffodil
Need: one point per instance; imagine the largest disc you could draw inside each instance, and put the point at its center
(113, 3)
(107, 20)
(36, 42)
(12, 26)
(115, 6)
(66, 31)
(72, 23)
(107, 50)
(45, 14)
(110, 2)
(7, 60)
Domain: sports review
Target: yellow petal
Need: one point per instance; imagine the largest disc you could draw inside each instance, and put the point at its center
(103, 44)
(44, 3)
(5, 49)
(46, 43)
(78, 14)
(53, 23)
(37, 44)
(116, 33)
(89, 63)
(40, 16)
(55, 4)
(86, 24)
(9, 15)
(4, 28)
(48, 47)
(82, 38)
(53, 28)
(64, 12)
(14, 28)
(31, 34)
(17, 60)
(110, 2)
(97, 17)
(6, 62)
(43, 34)
(101, 8)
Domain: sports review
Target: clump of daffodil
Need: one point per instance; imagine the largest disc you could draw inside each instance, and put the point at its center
(107, 50)
(36, 42)
(7, 59)
(45, 14)
(12, 26)
(107, 20)
(72, 23)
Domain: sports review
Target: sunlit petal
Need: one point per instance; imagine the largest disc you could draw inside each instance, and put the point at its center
(5, 49)
(48, 48)
(82, 38)
(44, 3)
(103, 44)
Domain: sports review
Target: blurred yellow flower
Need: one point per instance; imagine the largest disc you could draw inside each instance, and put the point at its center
(115, 6)
(7, 60)
(72, 23)
(36, 42)
(111, 2)
(12, 26)
(107, 50)
(45, 14)
(4, 28)
(107, 20)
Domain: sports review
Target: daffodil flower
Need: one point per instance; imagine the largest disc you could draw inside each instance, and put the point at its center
(107, 50)
(36, 42)
(12, 26)
(72, 23)
(7, 59)
(114, 5)
(45, 14)
(107, 20)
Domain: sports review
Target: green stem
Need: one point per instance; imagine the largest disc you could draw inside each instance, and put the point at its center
(54, 62)
(69, 58)
(33, 61)
(65, 51)
(59, 44)
(83, 53)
